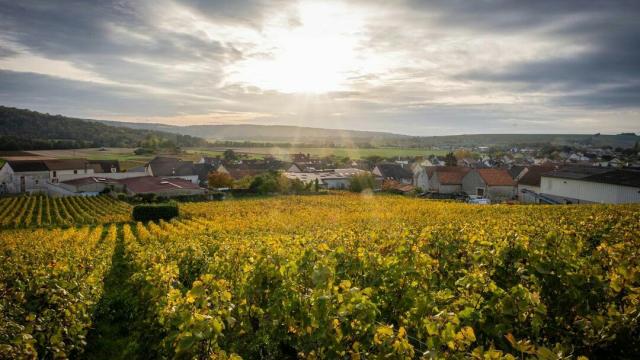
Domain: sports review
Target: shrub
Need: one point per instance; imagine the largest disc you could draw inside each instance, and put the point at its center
(361, 182)
(154, 212)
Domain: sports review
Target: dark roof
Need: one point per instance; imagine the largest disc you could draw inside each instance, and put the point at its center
(496, 177)
(514, 171)
(624, 177)
(394, 171)
(88, 180)
(150, 184)
(27, 165)
(106, 165)
(203, 170)
(66, 164)
(212, 160)
(576, 172)
(169, 166)
(238, 174)
(533, 175)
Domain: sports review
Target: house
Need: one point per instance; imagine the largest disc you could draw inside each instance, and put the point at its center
(420, 177)
(393, 172)
(105, 166)
(529, 183)
(161, 186)
(446, 179)
(494, 184)
(35, 175)
(583, 184)
(90, 185)
(172, 167)
(330, 179)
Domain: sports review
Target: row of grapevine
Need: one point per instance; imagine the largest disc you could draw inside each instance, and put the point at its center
(50, 282)
(339, 276)
(386, 277)
(38, 211)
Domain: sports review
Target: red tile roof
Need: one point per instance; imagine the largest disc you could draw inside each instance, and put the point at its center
(496, 177)
(450, 175)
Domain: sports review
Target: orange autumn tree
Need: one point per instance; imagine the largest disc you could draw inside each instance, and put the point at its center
(218, 179)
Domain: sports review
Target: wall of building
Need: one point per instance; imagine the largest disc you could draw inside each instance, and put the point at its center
(472, 181)
(34, 181)
(63, 175)
(337, 183)
(421, 179)
(500, 193)
(589, 191)
(528, 198)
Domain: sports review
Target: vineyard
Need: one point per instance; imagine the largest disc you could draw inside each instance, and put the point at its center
(40, 211)
(339, 276)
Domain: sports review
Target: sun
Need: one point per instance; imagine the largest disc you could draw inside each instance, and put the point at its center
(314, 56)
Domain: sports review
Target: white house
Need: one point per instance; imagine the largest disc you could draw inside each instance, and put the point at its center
(35, 175)
(592, 185)
(330, 179)
(446, 179)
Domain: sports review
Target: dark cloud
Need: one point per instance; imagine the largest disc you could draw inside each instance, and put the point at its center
(52, 94)
(443, 54)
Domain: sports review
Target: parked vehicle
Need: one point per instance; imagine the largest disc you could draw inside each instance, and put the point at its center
(475, 199)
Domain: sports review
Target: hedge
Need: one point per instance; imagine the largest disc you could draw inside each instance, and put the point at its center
(154, 212)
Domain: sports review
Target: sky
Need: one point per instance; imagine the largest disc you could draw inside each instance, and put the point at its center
(410, 67)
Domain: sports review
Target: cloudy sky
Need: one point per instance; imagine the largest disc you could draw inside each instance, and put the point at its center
(412, 67)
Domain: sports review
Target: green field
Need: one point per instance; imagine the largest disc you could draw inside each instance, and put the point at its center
(353, 153)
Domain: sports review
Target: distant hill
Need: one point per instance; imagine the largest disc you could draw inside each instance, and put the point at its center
(267, 133)
(307, 135)
(30, 130)
(598, 140)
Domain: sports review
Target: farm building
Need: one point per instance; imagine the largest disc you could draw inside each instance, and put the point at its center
(160, 186)
(446, 179)
(592, 185)
(172, 167)
(529, 183)
(494, 184)
(395, 172)
(90, 185)
(18, 176)
(330, 179)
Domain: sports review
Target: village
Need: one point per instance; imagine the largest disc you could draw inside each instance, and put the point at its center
(476, 175)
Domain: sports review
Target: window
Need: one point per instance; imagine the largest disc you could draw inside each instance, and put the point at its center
(75, 171)
(55, 174)
(480, 191)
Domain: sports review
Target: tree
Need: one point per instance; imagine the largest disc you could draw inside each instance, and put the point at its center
(218, 180)
(450, 159)
(230, 155)
(361, 182)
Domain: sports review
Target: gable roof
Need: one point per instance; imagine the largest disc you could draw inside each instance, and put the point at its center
(448, 175)
(105, 165)
(515, 171)
(66, 164)
(170, 166)
(27, 165)
(496, 177)
(394, 171)
(534, 174)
